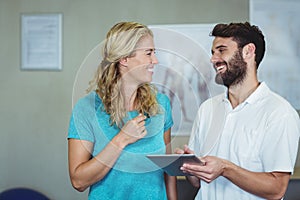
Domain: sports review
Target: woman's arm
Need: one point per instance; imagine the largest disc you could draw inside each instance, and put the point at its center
(84, 170)
(171, 182)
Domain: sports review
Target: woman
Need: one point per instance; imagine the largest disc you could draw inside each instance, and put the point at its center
(113, 128)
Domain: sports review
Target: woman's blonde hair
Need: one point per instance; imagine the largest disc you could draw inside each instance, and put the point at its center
(121, 41)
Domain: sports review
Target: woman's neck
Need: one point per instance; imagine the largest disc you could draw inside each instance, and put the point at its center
(129, 93)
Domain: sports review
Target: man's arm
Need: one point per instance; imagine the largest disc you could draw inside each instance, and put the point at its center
(269, 185)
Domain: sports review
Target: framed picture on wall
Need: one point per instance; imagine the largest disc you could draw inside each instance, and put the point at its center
(41, 41)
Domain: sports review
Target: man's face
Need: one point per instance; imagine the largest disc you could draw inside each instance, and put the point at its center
(228, 62)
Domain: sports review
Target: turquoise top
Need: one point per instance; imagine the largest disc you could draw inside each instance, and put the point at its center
(133, 176)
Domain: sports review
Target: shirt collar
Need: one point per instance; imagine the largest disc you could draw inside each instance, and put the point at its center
(261, 91)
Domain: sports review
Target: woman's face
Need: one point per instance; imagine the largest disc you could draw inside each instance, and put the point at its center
(139, 67)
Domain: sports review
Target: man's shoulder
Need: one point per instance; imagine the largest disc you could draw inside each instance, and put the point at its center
(279, 102)
(215, 99)
(276, 103)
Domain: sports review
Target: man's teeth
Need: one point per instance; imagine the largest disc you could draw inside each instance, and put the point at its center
(150, 69)
(220, 68)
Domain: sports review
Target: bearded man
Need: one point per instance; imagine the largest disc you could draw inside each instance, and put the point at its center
(247, 137)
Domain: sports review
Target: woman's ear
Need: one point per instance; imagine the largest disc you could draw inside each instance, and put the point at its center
(123, 62)
(249, 51)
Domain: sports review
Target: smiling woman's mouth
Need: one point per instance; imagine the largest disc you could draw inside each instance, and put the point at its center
(150, 69)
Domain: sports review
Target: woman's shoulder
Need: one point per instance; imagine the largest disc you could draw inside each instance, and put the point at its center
(162, 97)
(91, 100)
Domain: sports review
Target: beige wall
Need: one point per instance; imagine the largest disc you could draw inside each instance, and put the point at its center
(36, 105)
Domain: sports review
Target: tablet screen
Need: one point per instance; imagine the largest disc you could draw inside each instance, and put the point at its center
(171, 163)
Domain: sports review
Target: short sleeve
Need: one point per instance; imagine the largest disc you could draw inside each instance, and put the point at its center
(164, 101)
(80, 126)
(279, 152)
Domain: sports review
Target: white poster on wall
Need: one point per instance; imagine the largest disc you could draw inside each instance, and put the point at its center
(184, 72)
(41, 41)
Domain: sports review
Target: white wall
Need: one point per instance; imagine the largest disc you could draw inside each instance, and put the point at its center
(36, 105)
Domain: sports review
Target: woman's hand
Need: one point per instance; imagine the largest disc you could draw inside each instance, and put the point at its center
(133, 130)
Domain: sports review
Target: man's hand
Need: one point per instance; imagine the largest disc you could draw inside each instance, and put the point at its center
(185, 150)
(213, 167)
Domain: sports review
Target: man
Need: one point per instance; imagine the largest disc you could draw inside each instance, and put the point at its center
(248, 137)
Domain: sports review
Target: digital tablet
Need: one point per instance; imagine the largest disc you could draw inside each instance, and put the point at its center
(171, 163)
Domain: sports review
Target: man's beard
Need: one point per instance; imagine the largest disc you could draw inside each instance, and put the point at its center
(236, 71)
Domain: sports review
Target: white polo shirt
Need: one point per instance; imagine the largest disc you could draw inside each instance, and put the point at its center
(259, 135)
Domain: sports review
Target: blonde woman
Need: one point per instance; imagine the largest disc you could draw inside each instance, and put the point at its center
(114, 126)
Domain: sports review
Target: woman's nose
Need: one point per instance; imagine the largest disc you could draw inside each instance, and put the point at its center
(154, 59)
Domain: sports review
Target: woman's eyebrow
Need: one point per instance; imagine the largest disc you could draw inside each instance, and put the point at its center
(150, 49)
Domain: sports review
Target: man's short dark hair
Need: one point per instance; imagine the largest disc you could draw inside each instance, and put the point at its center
(243, 34)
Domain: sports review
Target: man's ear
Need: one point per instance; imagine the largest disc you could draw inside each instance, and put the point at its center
(123, 62)
(249, 50)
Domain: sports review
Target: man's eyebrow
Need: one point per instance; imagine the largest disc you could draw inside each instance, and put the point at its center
(221, 46)
(218, 47)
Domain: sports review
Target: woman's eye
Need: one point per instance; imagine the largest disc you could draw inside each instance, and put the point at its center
(150, 52)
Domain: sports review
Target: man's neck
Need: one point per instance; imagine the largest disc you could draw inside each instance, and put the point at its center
(237, 94)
